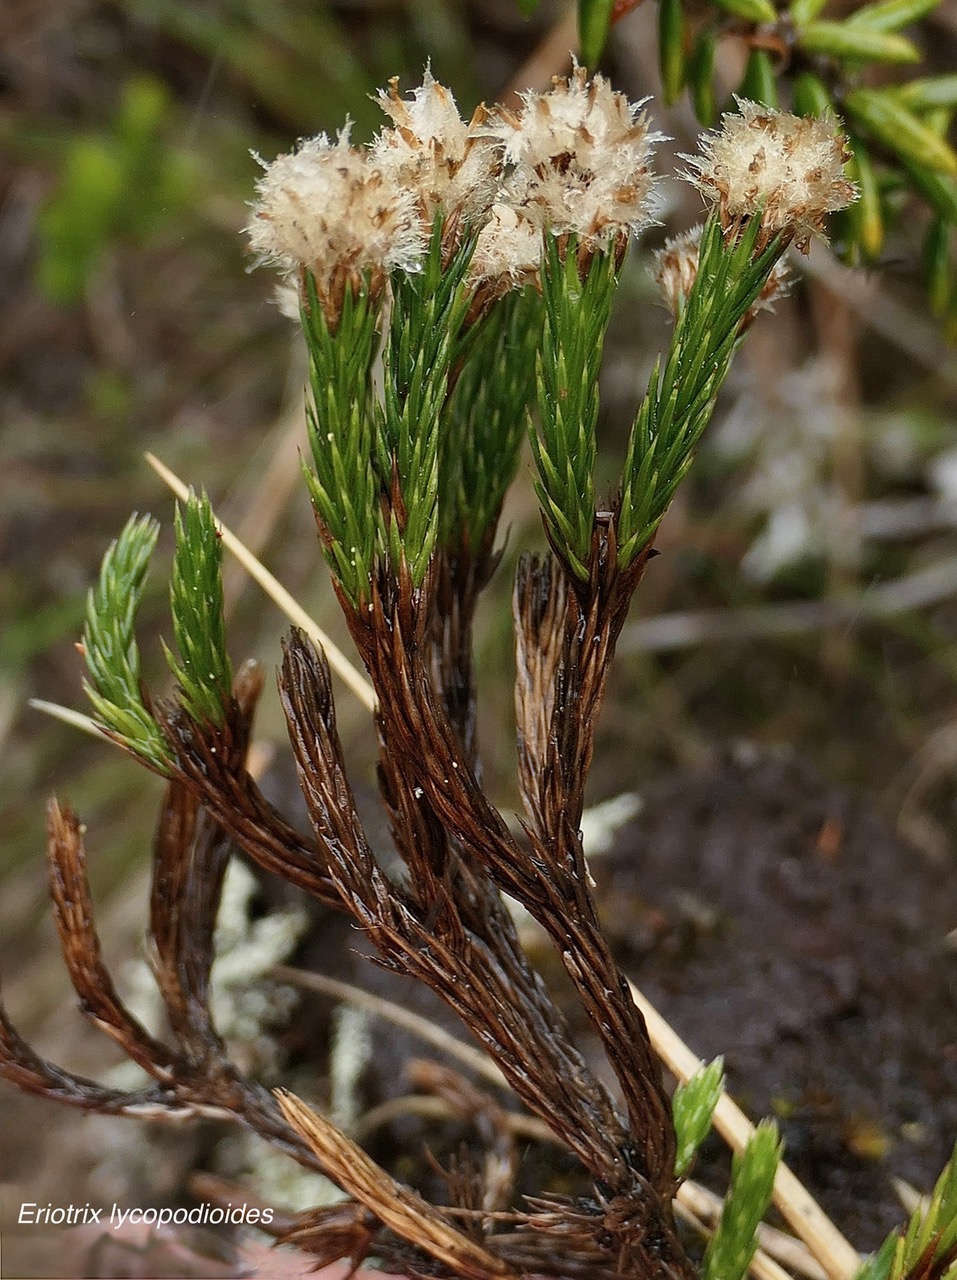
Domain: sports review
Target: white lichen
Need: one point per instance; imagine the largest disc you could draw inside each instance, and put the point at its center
(272, 1175)
(786, 170)
(246, 1004)
(349, 1058)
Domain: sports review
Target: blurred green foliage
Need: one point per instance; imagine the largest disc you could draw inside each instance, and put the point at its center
(122, 184)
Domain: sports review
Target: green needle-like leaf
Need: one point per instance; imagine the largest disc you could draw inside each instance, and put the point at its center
(865, 217)
(110, 648)
(891, 15)
(880, 1264)
(701, 78)
(931, 94)
(424, 342)
(484, 426)
(888, 121)
(759, 83)
(811, 97)
(938, 266)
(734, 1244)
(343, 484)
(805, 11)
(671, 48)
(841, 40)
(594, 23)
(680, 398)
(692, 1108)
(939, 191)
(201, 665)
(932, 1230)
(750, 10)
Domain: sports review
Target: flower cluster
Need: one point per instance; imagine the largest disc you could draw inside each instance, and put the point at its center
(786, 170)
(579, 159)
(432, 152)
(571, 162)
(326, 210)
(574, 163)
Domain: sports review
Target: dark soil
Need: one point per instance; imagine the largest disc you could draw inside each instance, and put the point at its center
(780, 922)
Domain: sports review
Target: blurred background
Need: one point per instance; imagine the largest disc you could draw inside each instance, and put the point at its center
(787, 683)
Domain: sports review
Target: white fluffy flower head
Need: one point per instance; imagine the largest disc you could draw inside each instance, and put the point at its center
(433, 153)
(786, 169)
(328, 209)
(580, 158)
(508, 253)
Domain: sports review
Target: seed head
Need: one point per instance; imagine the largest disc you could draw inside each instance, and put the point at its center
(786, 169)
(434, 154)
(580, 160)
(676, 268)
(329, 210)
(508, 253)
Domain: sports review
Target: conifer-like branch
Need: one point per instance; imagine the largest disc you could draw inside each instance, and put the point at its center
(339, 417)
(428, 310)
(927, 1248)
(577, 300)
(109, 644)
(692, 1106)
(681, 396)
(195, 1075)
(486, 420)
(735, 1242)
(202, 668)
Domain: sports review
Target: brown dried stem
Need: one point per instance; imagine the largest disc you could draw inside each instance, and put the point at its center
(550, 881)
(234, 800)
(566, 632)
(190, 856)
(401, 1210)
(429, 940)
(23, 1067)
(491, 1121)
(80, 944)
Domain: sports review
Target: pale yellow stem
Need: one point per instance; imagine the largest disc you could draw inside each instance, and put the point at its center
(67, 714)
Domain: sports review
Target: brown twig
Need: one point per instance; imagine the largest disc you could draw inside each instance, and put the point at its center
(401, 1210)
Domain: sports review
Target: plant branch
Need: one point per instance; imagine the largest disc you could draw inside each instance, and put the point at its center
(278, 594)
(401, 1210)
(836, 1254)
(431, 941)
